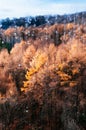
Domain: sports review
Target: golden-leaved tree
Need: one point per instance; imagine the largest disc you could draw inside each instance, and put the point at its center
(66, 61)
(36, 64)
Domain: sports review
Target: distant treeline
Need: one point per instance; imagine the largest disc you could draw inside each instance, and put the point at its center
(42, 20)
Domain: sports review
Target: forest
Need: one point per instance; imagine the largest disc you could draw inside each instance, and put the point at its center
(43, 75)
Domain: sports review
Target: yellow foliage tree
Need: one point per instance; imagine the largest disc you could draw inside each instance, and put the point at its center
(37, 62)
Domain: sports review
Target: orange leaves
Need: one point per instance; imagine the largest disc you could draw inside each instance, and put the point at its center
(73, 83)
(69, 26)
(37, 62)
(39, 59)
(28, 55)
(30, 72)
(68, 74)
(9, 31)
(61, 65)
(7, 85)
(75, 71)
(28, 76)
(64, 76)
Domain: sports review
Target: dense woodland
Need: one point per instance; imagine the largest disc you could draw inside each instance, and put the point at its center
(43, 74)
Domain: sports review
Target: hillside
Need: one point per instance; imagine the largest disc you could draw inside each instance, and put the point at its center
(43, 75)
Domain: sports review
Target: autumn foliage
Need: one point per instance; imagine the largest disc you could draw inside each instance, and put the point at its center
(42, 84)
(66, 61)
